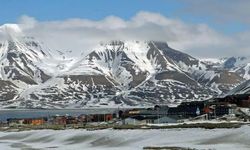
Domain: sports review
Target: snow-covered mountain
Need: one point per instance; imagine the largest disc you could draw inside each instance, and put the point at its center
(240, 65)
(145, 73)
(116, 73)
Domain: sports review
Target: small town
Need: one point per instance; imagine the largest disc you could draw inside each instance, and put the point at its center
(230, 109)
(125, 75)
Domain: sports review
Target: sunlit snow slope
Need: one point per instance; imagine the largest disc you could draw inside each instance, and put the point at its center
(115, 73)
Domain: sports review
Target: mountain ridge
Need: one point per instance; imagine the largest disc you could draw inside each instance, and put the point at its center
(116, 73)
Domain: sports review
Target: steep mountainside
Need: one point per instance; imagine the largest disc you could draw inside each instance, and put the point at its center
(243, 88)
(18, 61)
(116, 73)
(240, 65)
(146, 73)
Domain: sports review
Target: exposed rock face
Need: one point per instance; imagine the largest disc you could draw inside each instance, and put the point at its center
(8, 91)
(124, 73)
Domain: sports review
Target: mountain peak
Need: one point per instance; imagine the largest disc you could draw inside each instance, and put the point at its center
(160, 43)
(122, 72)
(121, 42)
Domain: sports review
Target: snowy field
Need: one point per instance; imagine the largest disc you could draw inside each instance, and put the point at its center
(127, 139)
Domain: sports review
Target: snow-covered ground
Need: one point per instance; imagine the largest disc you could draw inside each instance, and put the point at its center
(127, 139)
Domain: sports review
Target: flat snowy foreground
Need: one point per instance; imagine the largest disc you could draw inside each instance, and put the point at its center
(127, 139)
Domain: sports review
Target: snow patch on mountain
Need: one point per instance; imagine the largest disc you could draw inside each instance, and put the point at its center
(124, 73)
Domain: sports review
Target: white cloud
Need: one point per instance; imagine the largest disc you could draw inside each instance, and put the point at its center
(8, 30)
(81, 35)
(26, 22)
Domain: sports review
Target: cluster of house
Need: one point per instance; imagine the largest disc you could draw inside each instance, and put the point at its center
(61, 119)
(209, 109)
(241, 100)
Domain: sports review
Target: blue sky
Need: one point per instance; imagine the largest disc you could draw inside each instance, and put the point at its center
(92, 9)
(48, 10)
